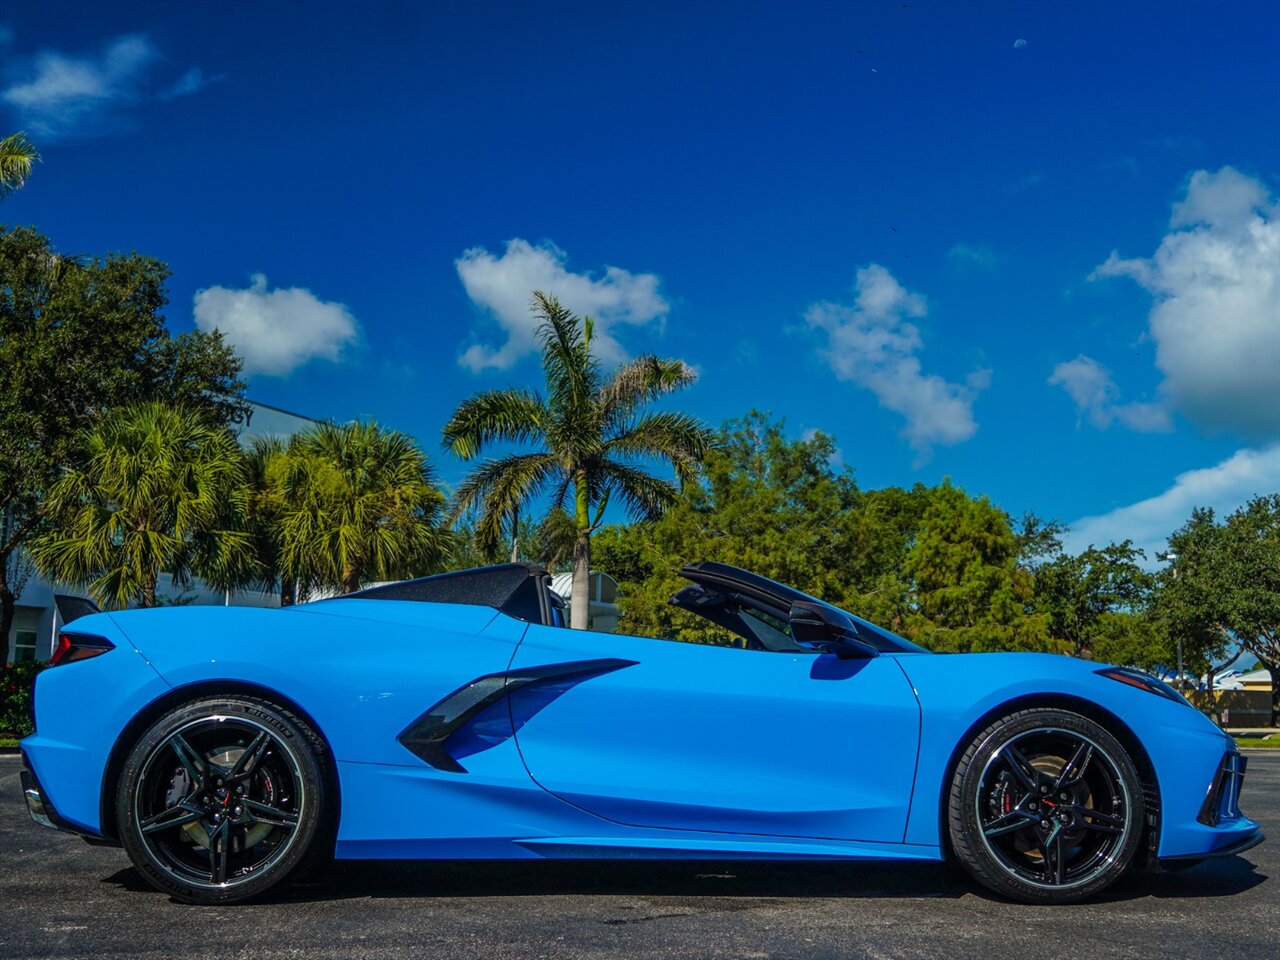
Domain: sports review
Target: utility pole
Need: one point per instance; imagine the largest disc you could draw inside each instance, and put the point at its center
(1173, 559)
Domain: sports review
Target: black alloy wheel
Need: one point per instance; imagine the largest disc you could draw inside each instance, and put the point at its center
(1046, 807)
(222, 799)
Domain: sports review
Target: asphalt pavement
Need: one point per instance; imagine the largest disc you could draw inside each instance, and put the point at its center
(60, 897)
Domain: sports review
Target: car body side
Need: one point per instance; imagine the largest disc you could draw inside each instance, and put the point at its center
(363, 670)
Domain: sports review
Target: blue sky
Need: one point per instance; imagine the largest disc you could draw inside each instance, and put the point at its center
(1031, 247)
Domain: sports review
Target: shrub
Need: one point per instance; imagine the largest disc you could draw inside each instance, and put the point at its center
(17, 684)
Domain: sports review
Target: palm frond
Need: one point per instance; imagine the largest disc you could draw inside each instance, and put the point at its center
(644, 496)
(570, 371)
(17, 155)
(677, 438)
(498, 488)
(642, 381)
(512, 416)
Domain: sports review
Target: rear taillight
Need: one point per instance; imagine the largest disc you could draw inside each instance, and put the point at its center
(78, 646)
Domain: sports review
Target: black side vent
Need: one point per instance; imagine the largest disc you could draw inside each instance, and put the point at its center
(1222, 802)
(428, 736)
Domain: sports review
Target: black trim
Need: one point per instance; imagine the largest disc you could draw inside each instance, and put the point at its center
(427, 736)
(1248, 843)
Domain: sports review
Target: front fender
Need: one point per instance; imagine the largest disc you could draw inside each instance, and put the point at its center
(957, 690)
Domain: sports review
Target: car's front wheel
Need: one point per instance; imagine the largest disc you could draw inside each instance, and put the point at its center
(222, 799)
(1046, 807)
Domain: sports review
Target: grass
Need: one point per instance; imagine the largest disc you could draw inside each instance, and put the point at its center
(8, 741)
(1269, 743)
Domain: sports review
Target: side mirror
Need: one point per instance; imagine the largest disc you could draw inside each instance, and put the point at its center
(819, 626)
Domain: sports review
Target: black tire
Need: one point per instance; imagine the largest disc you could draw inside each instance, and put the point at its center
(225, 798)
(1045, 807)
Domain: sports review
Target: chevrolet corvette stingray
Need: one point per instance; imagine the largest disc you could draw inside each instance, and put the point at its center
(227, 749)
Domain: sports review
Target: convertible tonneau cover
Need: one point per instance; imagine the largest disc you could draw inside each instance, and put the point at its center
(516, 589)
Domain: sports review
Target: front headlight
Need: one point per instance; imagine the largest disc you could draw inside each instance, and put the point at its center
(1144, 681)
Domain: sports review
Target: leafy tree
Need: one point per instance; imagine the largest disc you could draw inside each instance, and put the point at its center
(970, 592)
(591, 431)
(931, 563)
(79, 338)
(1223, 585)
(1038, 540)
(158, 488)
(17, 156)
(1131, 639)
(548, 542)
(768, 503)
(1076, 591)
(342, 505)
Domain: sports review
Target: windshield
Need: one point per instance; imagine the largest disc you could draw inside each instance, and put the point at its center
(756, 608)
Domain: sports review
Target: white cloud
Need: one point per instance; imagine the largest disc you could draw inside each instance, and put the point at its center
(1247, 473)
(1097, 397)
(276, 331)
(190, 82)
(874, 345)
(504, 286)
(55, 95)
(1215, 280)
(976, 255)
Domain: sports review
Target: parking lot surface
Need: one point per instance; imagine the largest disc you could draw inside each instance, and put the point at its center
(62, 898)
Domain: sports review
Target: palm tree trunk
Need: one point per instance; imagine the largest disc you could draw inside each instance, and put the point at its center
(350, 580)
(515, 536)
(579, 598)
(288, 597)
(579, 595)
(149, 592)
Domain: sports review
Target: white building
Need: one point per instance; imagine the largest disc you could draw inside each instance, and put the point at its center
(602, 595)
(36, 621)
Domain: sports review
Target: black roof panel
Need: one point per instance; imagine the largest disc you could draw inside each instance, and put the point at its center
(495, 587)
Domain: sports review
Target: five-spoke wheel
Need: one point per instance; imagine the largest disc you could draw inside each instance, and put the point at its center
(222, 799)
(1046, 806)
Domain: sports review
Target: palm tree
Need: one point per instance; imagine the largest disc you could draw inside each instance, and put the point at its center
(17, 155)
(348, 504)
(591, 431)
(157, 488)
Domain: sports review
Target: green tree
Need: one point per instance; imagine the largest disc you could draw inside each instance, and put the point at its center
(341, 505)
(157, 489)
(17, 156)
(592, 433)
(1076, 591)
(769, 503)
(1222, 587)
(1131, 639)
(970, 592)
(79, 338)
(931, 563)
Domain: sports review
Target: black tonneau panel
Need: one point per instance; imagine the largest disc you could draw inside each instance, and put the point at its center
(510, 587)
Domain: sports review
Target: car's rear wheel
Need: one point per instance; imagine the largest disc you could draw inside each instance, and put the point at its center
(223, 798)
(1046, 807)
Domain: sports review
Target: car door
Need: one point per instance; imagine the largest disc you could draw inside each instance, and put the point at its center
(673, 735)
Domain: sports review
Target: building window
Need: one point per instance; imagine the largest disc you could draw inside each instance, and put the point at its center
(24, 645)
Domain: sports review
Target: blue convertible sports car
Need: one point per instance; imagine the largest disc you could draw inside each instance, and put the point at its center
(455, 716)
